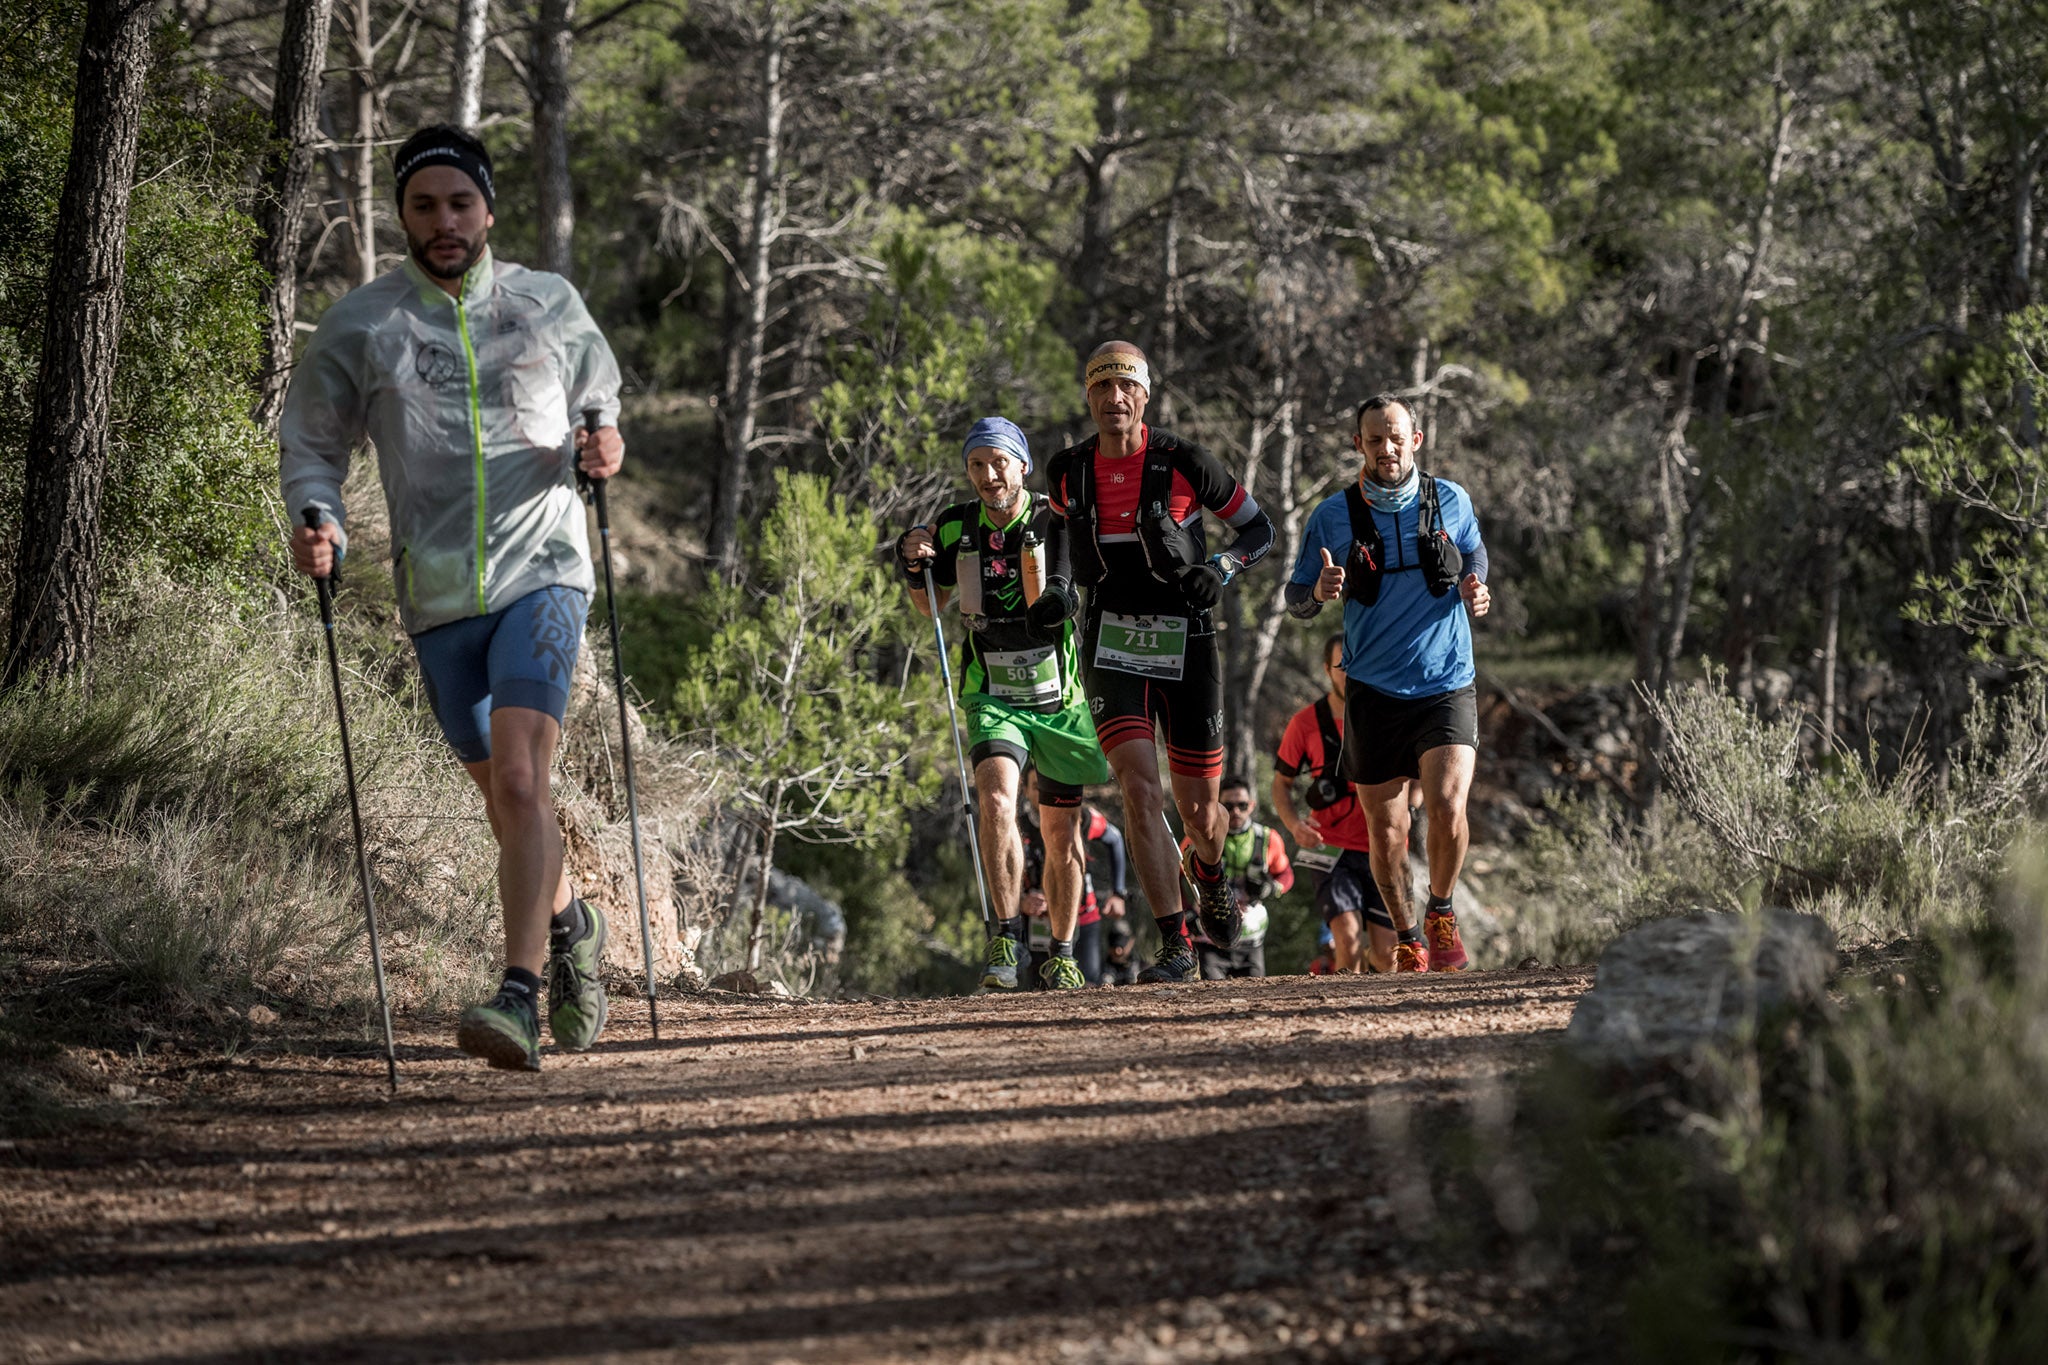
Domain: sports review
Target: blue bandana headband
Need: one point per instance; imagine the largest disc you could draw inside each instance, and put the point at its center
(1399, 498)
(998, 433)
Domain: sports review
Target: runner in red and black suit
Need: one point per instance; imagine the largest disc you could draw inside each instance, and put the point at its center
(1332, 840)
(1131, 503)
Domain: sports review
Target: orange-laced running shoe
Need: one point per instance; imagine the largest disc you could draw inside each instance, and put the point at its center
(1411, 957)
(1446, 949)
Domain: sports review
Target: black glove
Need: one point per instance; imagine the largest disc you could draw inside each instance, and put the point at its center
(916, 571)
(1057, 601)
(1202, 585)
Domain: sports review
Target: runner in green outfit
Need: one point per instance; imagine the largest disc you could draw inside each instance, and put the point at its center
(1020, 688)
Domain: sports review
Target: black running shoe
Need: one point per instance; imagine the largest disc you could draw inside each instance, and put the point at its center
(1216, 905)
(1176, 963)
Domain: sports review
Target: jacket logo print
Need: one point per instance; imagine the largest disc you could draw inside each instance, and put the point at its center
(435, 364)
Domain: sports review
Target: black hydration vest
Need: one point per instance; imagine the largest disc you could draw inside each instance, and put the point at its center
(1435, 555)
(1328, 788)
(1169, 546)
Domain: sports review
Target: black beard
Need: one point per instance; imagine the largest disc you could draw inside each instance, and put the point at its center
(418, 250)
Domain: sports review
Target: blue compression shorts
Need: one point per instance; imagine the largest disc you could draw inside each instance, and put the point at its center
(522, 655)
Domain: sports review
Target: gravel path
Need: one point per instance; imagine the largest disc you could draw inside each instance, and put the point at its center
(1249, 1170)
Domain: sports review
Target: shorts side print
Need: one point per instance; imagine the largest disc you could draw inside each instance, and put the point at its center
(1189, 709)
(1349, 888)
(521, 655)
(1385, 736)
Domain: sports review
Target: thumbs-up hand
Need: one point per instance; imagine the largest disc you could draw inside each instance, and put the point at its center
(1477, 598)
(1330, 582)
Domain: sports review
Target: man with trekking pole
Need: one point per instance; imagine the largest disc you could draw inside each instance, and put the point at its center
(1130, 502)
(1402, 550)
(1019, 686)
(472, 378)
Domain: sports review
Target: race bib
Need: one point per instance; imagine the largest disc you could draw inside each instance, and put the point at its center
(1027, 677)
(1315, 859)
(1148, 646)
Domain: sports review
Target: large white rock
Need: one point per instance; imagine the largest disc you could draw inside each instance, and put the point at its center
(1670, 989)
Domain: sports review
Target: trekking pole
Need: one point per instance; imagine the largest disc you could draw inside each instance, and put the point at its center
(931, 598)
(325, 586)
(611, 604)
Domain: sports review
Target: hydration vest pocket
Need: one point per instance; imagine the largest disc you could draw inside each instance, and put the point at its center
(1441, 561)
(1362, 572)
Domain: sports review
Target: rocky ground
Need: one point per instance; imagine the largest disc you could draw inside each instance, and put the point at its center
(1291, 1169)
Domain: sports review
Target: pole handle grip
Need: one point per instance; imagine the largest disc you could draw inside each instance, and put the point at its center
(584, 483)
(333, 578)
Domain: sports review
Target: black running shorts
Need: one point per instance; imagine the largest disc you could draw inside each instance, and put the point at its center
(1348, 888)
(1189, 708)
(1385, 736)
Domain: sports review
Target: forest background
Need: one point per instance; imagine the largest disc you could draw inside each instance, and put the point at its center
(1724, 311)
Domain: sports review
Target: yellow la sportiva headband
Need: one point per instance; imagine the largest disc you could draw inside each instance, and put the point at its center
(1118, 365)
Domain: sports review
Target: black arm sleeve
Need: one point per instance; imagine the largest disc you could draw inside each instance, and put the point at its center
(1230, 501)
(1301, 600)
(1059, 547)
(1113, 840)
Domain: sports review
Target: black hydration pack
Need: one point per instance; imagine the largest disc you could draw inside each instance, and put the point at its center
(1169, 546)
(1435, 555)
(1329, 787)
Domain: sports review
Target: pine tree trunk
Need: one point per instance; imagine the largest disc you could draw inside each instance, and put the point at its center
(57, 566)
(472, 31)
(288, 171)
(747, 350)
(760, 912)
(552, 37)
(363, 222)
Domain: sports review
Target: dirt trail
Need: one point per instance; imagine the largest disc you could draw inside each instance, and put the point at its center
(1145, 1174)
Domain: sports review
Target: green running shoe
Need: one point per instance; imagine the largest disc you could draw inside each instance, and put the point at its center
(999, 973)
(576, 999)
(504, 1031)
(1062, 974)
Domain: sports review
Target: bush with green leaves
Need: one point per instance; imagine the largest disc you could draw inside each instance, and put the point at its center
(1879, 853)
(191, 481)
(1861, 1185)
(805, 690)
(1991, 465)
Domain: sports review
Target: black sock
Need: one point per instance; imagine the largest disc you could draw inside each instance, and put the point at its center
(1013, 927)
(1439, 905)
(1410, 935)
(570, 921)
(525, 985)
(1063, 947)
(1173, 929)
(1208, 872)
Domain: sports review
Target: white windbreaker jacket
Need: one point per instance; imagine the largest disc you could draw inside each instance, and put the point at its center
(471, 405)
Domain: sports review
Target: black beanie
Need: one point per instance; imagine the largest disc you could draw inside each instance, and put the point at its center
(443, 144)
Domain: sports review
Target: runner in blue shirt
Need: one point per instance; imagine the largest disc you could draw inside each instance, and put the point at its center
(1394, 547)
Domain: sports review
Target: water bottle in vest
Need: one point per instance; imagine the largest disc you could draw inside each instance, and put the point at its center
(969, 579)
(1032, 566)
